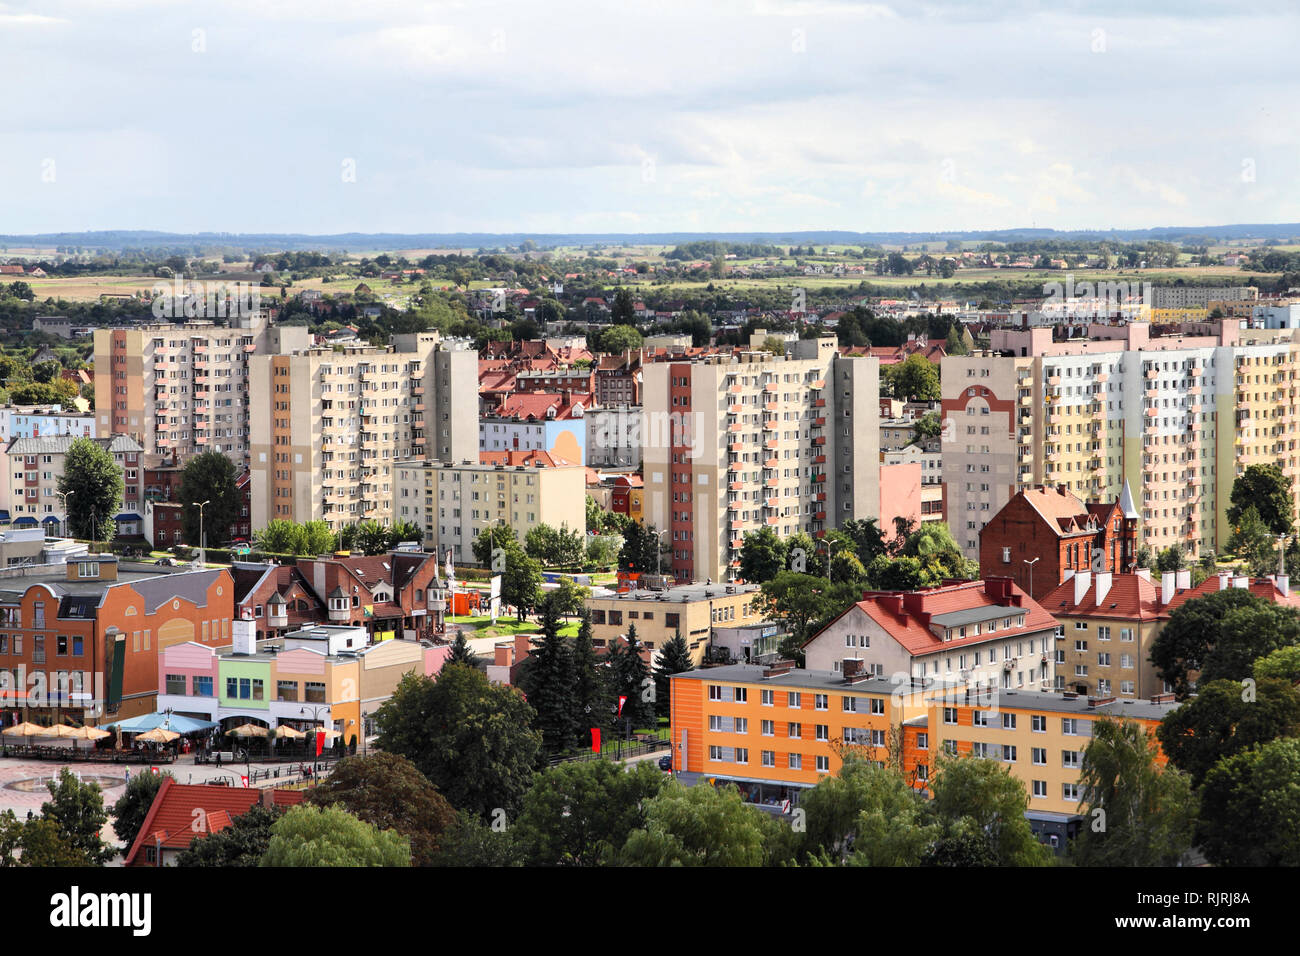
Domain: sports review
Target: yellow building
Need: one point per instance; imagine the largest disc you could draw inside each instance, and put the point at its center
(691, 609)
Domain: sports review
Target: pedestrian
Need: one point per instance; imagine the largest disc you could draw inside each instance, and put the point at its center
(29, 816)
(128, 774)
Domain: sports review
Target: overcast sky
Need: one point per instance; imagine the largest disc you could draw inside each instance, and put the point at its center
(562, 116)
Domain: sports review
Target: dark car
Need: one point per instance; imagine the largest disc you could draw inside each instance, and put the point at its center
(165, 563)
(666, 762)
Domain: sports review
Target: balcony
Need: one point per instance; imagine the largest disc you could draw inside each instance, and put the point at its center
(819, 441)
(735, 409)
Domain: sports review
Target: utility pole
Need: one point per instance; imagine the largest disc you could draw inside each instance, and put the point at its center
(203, 538)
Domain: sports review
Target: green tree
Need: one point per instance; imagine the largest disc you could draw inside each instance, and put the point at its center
(521, 585)
(867, 537)
(313, 836)
(580, 813)
(864, 816)
(591, 686)
(280, 537)
(1268, 491)
(209, 477)
(619, 338)
(1282, 664)
(1250, 807)
(674, 658)
(985, 793)
(243, 843)
(372, 538)
(1226, 718)
(78, 810)
(631, 678)
(93, 483)
(387, 791)
(492, 537)
(622, 313)
(1171, 559)
(1247, 633)
(1181, 647)
(926, 427)
(916, 377)
(474, 741)
(547, 679)
(762, 555)
(641, 549)
(955, 344)
(1147, 815)
(45, 845)
(696, 826)
(133, 805)
(461, 652)
(801, 602)
(469, 842)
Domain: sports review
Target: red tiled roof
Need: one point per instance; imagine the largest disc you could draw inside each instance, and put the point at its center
(1265, 588)
(1131, 597)
(1063, 513)
(544, 459)
(171, 816)
(909, 624)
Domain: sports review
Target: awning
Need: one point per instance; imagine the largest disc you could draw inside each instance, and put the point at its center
(182, 725)
(4, 515)
(25, 521)
(128, 516)
(49, 519)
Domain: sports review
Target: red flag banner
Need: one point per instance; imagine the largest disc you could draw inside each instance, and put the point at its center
(245, 780)
(621, 701)
(320, 742)
(595, 740)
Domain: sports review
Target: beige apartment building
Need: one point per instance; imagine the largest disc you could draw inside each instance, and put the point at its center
(691, 609)
(454, 502)
(1179, 417)
(183, 388)
(29, 488)
(334, 423)
(736, 442)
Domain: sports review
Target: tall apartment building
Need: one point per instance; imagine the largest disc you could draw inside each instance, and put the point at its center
(736, 442)
(183, 388)
(456, 501)
(333, 423)
(1178, 417)
(1199, 297)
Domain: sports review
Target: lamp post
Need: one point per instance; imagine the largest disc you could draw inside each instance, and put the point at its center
(315, 715)
(830, 550)
(203, 541)
(64, 496)
(659, 551)
(1031, 575)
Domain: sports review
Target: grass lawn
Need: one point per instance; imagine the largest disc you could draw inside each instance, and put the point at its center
(506, 626)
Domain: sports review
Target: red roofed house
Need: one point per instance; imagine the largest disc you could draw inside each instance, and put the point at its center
(1060, 535)
(980, 633)
(182, 813)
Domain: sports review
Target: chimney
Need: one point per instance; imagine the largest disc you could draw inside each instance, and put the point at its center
(1283, 582)
(1241, 582)
(1082, 581)
(1103, 585)
(1183, 580)
(1167, 589)
(1223, 581)
(1144, 574)
(243, 636)
(266, 797)
(1062, 490)
(851, 667)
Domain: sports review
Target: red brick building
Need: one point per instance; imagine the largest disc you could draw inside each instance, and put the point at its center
(1058, 533)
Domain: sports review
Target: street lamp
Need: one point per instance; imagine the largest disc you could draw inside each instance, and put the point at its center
(315, 716)
(1031, 575)
(830, 550)
(203, 541)
(659, 551)
(64, 496)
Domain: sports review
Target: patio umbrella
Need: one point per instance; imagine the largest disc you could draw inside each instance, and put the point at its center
(25, 729)
(248, 730)
(284, 730)
(329, 734)
(60, 730)
(89, 733)
(158, 736)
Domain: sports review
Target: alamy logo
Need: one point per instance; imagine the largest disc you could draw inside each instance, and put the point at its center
(132, 910)
(1096, 299)
(199, 300)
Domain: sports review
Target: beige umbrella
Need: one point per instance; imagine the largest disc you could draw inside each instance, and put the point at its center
(158, 735)
(25, 729)
(248, 730)
(60, 730)
(89, 733)
(284, 730)
(329, 734)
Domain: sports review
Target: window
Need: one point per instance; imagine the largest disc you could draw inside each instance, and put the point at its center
(950, 715)
(1038, 723)
(979, 718)
(823, 732)
(1070, 791)
(849, 704)
(1070, 726)
(1008, 721)
(769, 728)
(742, 695)
(715, 692)
(78, 647)
(877, 705)
(286, 690)
(794, 699)
(257, 690)
(794, 731)
(176, 684)
(822, 702)
(715, 753)
(742, 725)
(768, 698)
(796, 761)
(232, 687)
(769, 758)
(1040, 789)
(742, 755)
(922, 741)
(1008, 753)
(823, 764)
(950, 747)
(201, 686)
(314, 693)
(1040, 756)
(1070, 759)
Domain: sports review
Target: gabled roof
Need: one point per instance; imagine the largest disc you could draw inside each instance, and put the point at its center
(1060, 510)
(1130, 597)
(534, 458)
(171, 817)
(1265, 588)
(190, 586)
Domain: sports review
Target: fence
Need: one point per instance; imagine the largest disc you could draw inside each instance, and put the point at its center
(621, 751)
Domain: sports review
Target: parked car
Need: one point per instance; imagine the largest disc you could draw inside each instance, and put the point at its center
(666, 763)
(165, 563)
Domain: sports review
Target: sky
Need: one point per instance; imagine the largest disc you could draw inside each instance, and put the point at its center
(327, 116)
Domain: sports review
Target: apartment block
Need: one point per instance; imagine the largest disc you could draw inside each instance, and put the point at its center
(183, 388)
(1038, 736)
(29, 489)
(454, 502)
(37, 421)
(973, 634)
(776, 730)
(692, 610)
(736, 442)
(337, 420)
(1199, 297)
(1177, 417)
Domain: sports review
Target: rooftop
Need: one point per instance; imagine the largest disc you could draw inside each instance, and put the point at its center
(684, 593)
